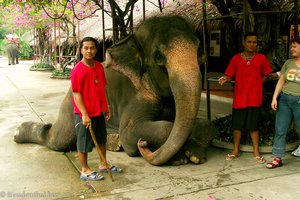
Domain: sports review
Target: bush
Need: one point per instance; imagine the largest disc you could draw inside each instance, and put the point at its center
(2, 47)
(26, 51)
(61, 73)
(266, 131)
(42, 67)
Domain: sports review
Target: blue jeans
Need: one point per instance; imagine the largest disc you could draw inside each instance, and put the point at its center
(288, 109)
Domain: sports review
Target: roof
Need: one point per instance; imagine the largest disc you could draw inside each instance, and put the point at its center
(190, 9)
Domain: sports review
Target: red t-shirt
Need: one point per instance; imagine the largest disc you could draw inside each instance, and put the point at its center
(90, 83)
(248, 79)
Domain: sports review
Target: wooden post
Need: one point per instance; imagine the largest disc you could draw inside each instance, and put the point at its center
(205, 51)
(246, 17)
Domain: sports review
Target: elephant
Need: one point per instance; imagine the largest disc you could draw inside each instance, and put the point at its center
(154, 91)
(12, 51)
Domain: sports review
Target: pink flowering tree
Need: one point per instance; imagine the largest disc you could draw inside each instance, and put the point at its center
(30, 13)
(41, 15)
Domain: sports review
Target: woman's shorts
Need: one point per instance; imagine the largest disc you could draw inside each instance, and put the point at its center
(246, 118)
(84, 139)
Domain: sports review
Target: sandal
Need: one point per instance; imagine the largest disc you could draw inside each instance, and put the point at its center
(93, 176)
(277, 162)
(231, 156)
(113, 169)
(260, 159)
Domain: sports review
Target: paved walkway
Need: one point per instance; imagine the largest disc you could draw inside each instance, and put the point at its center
(30, 171)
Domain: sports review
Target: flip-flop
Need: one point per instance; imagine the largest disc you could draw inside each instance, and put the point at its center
(113, 169)
(231, 156)
(260, 159)
(93, 176)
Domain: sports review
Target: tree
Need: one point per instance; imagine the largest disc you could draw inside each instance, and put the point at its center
(120, 11)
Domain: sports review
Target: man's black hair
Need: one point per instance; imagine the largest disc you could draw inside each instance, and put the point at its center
(89, 39)
(249, 34)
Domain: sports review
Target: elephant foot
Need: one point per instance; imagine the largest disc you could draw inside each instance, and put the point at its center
(113, 142)
(195, 152)
(179, 159)
(200, 139)
(31, 132)
(196, 159)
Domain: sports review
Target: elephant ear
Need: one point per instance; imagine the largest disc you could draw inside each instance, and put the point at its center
(126, 57)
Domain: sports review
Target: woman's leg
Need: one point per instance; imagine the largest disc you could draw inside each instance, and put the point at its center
(296, 111)
(282, 123)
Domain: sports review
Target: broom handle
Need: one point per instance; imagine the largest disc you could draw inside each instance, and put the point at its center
(103, 159)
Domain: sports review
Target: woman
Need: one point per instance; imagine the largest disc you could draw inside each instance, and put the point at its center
(286, 103)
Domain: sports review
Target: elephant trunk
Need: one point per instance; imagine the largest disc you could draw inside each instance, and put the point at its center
(184, 77)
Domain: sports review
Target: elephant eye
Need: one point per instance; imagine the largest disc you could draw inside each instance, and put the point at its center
(159, 58)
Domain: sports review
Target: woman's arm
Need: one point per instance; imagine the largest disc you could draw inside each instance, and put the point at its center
(277, 91)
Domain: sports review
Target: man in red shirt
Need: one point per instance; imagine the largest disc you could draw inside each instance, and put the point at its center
(90, 107)
(248, 69)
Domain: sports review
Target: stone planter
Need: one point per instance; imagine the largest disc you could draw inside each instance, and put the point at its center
(248, 148)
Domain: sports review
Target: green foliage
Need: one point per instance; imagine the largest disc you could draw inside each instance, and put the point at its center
(61, 73)
(266, 130)
(3, 32)
(224, 128)
(42, 67)
(26, 51)
(2, 47)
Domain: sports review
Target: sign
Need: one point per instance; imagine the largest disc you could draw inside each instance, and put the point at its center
(215, 43)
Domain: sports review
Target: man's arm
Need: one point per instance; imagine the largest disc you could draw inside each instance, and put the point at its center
(80, 105)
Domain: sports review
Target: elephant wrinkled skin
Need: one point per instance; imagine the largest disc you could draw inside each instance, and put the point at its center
(154, 90)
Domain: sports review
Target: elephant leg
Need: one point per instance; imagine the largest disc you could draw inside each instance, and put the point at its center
(33, 132)
(9, 58)
(16, 56)
(146, 131)
(196, 146)
(13, 60)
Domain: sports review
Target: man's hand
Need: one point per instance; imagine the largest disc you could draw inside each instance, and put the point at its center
(224, 79)
(107, 114)
(86, 121)
(273, 76)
